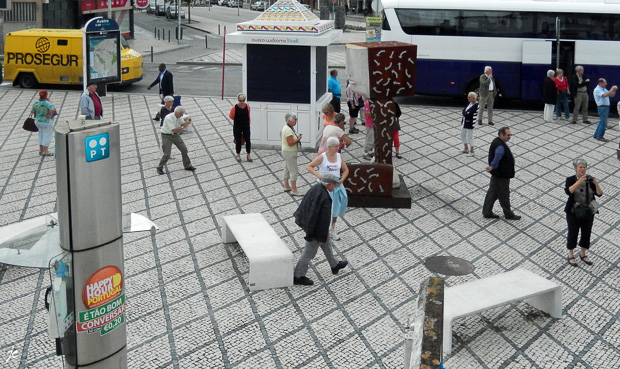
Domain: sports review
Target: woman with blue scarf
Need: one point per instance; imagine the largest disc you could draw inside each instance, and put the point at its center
(330, 162)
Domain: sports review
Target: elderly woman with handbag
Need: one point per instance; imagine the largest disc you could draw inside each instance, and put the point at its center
(580, 209)
(44, 112)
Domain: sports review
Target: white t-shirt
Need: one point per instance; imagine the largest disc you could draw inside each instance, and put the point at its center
(329, 131)
(330, 168)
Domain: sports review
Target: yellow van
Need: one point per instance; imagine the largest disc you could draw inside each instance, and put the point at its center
(55, 56)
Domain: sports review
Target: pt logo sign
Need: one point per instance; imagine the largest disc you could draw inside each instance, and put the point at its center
(97, 147)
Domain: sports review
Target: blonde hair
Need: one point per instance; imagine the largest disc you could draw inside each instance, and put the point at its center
(241, 96)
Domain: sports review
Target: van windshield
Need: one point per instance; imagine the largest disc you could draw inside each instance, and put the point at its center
(124, 43)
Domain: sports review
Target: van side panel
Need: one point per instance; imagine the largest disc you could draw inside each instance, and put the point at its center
(55, 57)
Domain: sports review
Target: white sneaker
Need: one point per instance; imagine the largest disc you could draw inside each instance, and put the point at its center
(334, 236)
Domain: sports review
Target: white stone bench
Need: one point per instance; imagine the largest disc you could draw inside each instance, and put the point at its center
(271, 262)
(501, 289)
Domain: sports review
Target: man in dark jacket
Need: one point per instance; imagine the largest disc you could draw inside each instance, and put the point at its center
(502, 168)
(165, 81)
(314, 216)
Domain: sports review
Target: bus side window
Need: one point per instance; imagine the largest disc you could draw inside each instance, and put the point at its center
(62, 42)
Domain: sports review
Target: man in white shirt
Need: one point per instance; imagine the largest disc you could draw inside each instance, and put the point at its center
(170, 130)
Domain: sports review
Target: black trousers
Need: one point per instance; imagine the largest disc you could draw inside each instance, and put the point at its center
(242, 130)
(499, 189)
(574, 226)
(336, 104)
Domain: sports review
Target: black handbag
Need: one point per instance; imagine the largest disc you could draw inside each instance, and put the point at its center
(29, 124)
(581, 211)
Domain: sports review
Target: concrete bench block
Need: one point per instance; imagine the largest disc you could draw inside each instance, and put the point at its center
(501, 289)
(271, 262)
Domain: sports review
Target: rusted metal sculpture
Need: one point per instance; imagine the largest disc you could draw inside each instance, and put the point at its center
(379, 71)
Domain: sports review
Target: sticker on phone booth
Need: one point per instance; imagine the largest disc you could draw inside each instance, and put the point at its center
(97, 147)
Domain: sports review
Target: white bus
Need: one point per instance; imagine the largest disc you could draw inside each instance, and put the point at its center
(457, 38)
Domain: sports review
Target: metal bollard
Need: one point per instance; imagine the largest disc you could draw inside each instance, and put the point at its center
(151, 54)
(158, 34)
(168, 35)
(218, 29)
(206, 42)
(155, 33)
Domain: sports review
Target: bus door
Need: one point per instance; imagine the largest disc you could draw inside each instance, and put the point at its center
(566, 57)
(536, 61)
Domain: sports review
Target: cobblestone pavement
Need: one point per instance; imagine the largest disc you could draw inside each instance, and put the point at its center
(188, 299)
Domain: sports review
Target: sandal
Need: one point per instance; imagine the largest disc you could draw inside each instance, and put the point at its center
(238, 160)
(585, 259)
(574, 263)
(249, 160)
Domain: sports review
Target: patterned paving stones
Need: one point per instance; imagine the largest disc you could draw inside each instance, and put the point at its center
(188, 300)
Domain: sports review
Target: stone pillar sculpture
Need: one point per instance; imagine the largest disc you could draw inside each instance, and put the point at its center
(379, 71)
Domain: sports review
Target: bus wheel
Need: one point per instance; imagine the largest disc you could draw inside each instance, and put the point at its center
(473, 86)
(27, 80)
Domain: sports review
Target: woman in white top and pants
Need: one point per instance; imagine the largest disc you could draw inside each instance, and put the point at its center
(330, 162)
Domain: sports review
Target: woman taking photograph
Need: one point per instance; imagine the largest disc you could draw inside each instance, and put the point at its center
(330, 162)
(44, 113)
(240, 114)
(290, 141)
(580, 209)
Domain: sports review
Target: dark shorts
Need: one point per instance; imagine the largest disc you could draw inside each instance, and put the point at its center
(353, 111)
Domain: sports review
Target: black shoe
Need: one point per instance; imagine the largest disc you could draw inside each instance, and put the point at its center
(353, 131)
(340, 265)
(304, 281)
(514, 217)
(585, 259)
(191, 169)
(160, 171)
(587, 122)
(491, 123)
(491, 216)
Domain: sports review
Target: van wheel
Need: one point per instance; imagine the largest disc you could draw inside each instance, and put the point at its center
(27, 80)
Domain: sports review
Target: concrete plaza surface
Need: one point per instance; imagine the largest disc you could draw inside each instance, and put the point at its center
(188, 300)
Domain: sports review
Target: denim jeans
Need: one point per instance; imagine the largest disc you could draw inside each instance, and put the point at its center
(603, 113)
(562, 100)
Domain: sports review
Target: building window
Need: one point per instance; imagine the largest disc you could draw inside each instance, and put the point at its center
(21, 12)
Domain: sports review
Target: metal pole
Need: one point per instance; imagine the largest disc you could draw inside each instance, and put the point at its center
(206, 42)
(179, 21)
(151, 54)
(223, 60)
(155, 34)
(557, 43)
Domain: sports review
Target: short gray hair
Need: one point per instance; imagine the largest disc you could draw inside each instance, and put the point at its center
(578, 68)
(487, 68)
(179, 109)
(289, 116)
(550, 73)
(332, 141)
(475, 95)
(579, 161)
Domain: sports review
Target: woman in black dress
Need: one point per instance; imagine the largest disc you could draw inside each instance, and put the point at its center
(240, 114)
